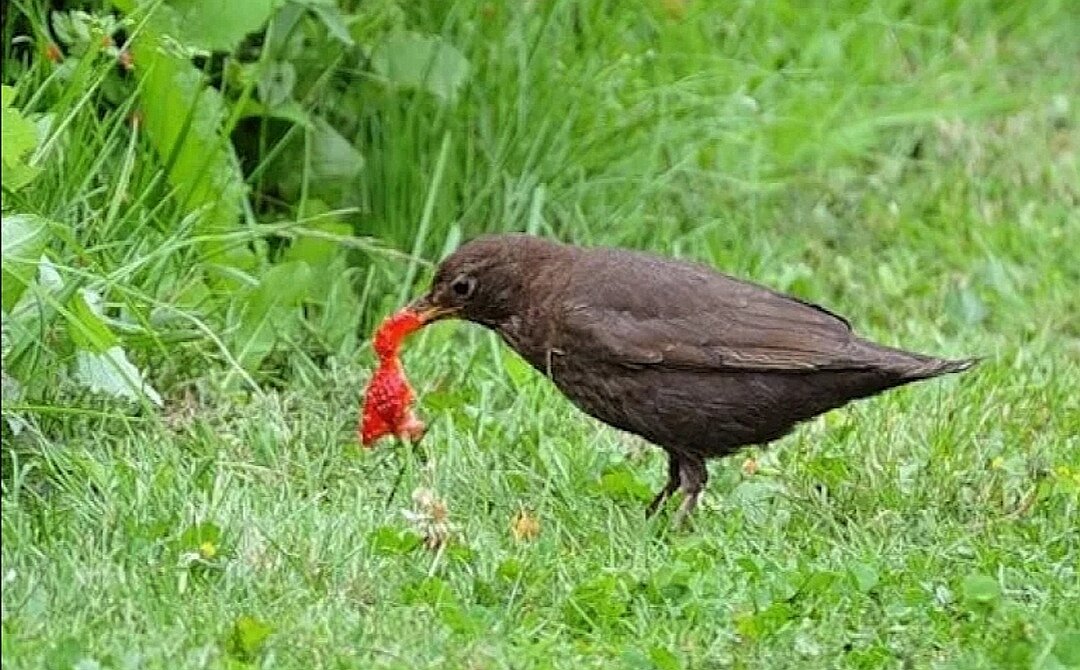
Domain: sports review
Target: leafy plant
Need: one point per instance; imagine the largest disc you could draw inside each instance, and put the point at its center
(20, 137)
(246, 639)
(251, 248)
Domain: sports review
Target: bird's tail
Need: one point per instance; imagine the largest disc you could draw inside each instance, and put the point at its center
(915, 366)
(908, 366)
(925, 367)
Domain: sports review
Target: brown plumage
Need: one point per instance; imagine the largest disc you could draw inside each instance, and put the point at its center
(692, 360)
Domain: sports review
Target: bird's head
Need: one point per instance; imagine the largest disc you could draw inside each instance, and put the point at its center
(483, 281)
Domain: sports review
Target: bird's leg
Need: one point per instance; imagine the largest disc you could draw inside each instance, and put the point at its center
(694, 475)
(670, 487)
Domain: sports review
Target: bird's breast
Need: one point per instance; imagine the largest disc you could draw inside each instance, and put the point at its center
(535, 344)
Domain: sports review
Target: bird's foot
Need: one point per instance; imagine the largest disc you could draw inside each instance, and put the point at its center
(656, 503)
(692, 475)
(689, 503)
(672, 485)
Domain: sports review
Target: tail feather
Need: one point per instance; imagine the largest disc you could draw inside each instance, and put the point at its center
(924, 367)
(908, 366)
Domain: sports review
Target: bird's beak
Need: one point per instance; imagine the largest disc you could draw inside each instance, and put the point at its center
(429, 311)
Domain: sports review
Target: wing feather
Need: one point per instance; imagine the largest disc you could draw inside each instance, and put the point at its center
(647, 311)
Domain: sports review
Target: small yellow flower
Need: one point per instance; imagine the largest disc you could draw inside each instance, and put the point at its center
(750, 467)
(997, 463)
(525, 526)
(207, 550)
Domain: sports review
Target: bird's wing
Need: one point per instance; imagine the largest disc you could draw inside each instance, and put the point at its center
(651, 312)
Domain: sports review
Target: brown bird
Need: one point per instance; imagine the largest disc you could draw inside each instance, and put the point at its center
(693, 360)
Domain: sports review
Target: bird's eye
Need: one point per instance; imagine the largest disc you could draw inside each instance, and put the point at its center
(463, 286)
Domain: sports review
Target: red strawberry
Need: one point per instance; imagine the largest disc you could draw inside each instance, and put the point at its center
(388, 397)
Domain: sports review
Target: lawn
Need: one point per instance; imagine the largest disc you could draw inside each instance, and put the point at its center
(912, 166)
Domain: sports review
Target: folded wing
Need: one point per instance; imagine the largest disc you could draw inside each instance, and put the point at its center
(652, 312)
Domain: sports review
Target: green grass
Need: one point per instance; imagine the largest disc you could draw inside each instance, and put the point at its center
(915, 172)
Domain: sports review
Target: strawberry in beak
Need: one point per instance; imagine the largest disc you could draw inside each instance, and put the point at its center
(387, 401)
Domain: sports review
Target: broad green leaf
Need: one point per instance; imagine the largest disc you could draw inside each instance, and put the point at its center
(110, 372)
(981, 589)
(758, 500)
(663, 659)
(315, 251)
(596, 603)
(19, 137)
(470, 620)
(196, 535)
(12, 393)
(865, 576)
(290, 110)
(276, 82)
(286, 35)
(632, 659)
(670, 583)
(622, 484)
(1067, 649)
(331, 16)
(757, 625)
(337, 321)
(413, 61)
(333, 156)
(510, 569)
(332, 164)
(270, 312)
(247, 638)
(389, 541)
(22, 239)
(86, 328)
(820, 582)
(375, 21)
(184, 120)
(69, 28)
(64, 653)
(431, 591)
(220, 25)
(203, 169)
(751, 565)
(331, 285)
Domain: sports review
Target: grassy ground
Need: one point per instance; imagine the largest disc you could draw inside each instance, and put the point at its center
(918, 174)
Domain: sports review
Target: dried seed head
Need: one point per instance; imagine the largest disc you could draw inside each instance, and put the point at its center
(53, 53)
(525, 526)
(430, 517)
